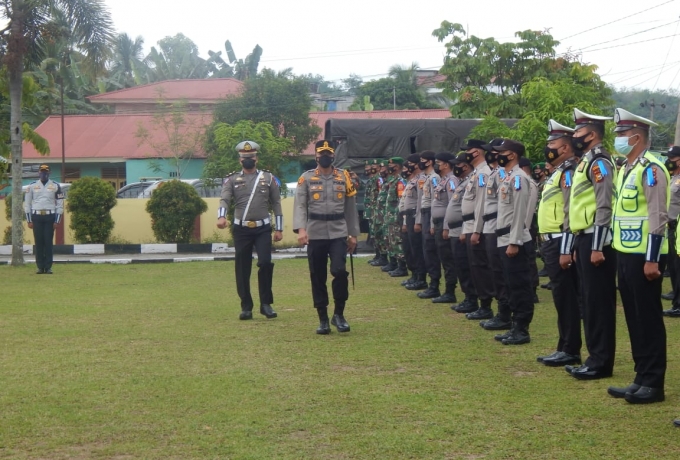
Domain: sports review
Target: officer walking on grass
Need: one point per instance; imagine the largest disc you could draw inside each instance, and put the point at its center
(326, 220)
(252, 192)
(44, 206)
(673, 167)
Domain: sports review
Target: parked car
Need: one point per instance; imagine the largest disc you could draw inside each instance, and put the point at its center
(134, 189)
(204, 190)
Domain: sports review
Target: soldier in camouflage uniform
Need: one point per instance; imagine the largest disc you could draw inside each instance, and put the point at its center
(379, 216)
(392, 221)
(372, 188)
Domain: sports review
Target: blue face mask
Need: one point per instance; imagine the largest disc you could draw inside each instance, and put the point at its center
(621, 145)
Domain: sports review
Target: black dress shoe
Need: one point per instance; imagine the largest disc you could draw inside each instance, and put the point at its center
(547, 286)
(562, 359)
(672, 312)
(540, 359)
(586, 373)
(543, 273)
(340, 323)
(445, 298)
(645, 395)
(668, 296)
(39, 271)
(268, 311)
(676, 422)
(48, 271)
(324, 327)
(618, 392)
(496, 324)
(245, 314)
(408, 281)
(429, 293)
(416, 286)
(482, 313)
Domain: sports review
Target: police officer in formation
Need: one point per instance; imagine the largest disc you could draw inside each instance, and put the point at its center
(590, 220)
(44, 206)
(252, 192)
(410, 203)
(553, 228)
(326, 220)
(394, 188)
(424, 222)
(531, 224)
(373, 185)
(379, 216)
(673, 166)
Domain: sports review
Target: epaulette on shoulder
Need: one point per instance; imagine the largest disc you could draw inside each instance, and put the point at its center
(597, 150)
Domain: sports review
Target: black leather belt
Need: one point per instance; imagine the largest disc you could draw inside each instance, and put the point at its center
(502, 231)
(456, 224)
(488, 217)
(437, 220)
(410, 212)
(315, 216)
(468, 217)
(425, 210)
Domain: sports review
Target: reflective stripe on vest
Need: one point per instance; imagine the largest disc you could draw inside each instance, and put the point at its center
(631, 217)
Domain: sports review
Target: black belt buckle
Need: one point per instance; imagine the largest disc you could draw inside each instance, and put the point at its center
(456, 224)
(502, 231)
(468, 217)
(488, 217)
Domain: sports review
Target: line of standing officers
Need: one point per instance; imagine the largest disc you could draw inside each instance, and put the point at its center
(599, 219)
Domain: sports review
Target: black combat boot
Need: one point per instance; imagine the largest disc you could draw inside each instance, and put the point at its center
(411, 280)
(392, 265)
(496, 324)
(484, 311)
(400, 270)
(468, 305)
(418, 284)
(447, 297)
(431, 292)
(375, 258)
(267, 311)
(519, 334)
(324, 327)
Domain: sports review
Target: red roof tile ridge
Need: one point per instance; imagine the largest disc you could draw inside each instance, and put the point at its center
(118, 91)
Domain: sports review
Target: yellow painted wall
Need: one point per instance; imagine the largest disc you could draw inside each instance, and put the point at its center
(133, 223)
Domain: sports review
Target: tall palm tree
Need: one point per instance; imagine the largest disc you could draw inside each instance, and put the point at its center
(29, 28)
(127, 67)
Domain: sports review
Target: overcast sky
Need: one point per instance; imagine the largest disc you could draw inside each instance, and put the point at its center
(366, 37)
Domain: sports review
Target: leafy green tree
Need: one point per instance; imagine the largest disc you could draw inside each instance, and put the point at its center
(24, 35)
(174, 134)
(126, 67)
(177, 59)
(174, 208)
(280, 99)
(224, 159)
(489, 128)
(238, 68)
(90, 201)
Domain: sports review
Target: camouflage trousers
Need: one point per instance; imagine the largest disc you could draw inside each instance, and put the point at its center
(376, 229)
(392, 229)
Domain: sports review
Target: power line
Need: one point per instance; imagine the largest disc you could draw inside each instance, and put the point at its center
(616, 20)
(666, 58)
(631, 35)
(632, 43)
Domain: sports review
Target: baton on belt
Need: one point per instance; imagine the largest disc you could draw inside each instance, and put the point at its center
(351, 267)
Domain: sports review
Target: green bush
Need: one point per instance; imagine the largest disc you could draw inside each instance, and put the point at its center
(7, 236)
(90, 201)
(174, 207)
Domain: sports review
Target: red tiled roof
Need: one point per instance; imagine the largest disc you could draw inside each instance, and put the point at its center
(209, 90)
(108, 137)
(100, 137)
(322, 117)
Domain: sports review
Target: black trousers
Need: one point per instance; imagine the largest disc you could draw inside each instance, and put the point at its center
(674, 263)
(498, 277)
(598, 292)
(565, 297)
(318, 253)
(244, 240)
(518, 283)
(533, 268)
(415, 241)
(642, 305)
(480, 269)
(43, 234)
(446, 257)
(432, 262)
(462, 263)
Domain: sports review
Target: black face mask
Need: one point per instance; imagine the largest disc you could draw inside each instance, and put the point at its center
(550, 154)
(469, 157)
(410, 168)
(383, 174)
(436, 168)
(458, 171)
(422, 165)
(405, 174)
(579, 143)
(490, 157)
(503, 160)
(248, 163)
(536, 176)
(325, 161)
(374, 171)
(670, 165)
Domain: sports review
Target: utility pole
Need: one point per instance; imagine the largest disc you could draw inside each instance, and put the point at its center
(394, 97)
(677, 128)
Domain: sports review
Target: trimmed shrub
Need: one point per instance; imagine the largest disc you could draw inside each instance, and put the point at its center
(174, 207)
(90, 201)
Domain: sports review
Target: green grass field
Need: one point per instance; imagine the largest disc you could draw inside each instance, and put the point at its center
(150, 361)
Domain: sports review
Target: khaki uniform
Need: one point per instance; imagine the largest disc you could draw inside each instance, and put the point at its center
(44, 206)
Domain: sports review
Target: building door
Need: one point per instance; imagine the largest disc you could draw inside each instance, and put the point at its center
(115, 176)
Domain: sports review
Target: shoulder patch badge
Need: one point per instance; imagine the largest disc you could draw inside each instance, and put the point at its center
(651, 176)
(518, 183)
(566, 179)
(482, 180)
(597, 172)
(301, 180)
